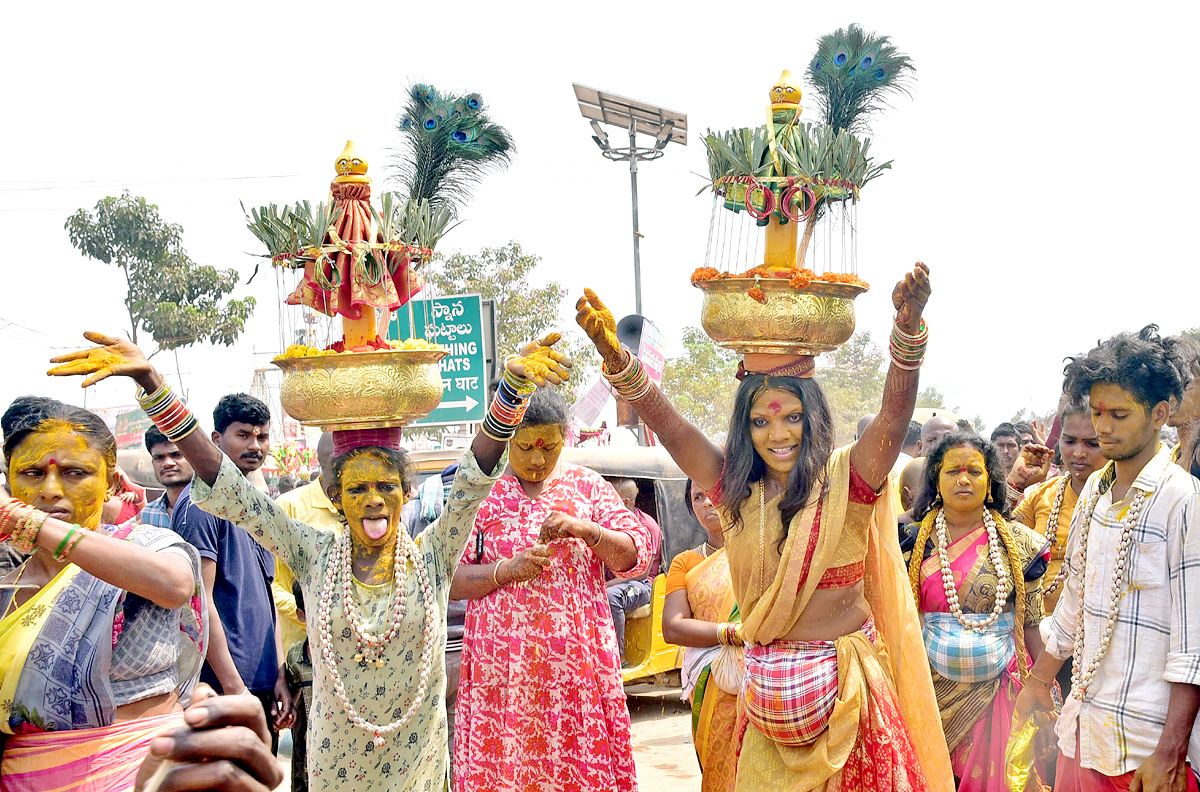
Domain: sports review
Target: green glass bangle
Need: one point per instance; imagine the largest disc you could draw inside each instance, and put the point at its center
(58, 553)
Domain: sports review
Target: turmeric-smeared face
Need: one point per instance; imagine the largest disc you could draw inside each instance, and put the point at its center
(57, 470)
(372, 496)
(534, 450)
(963, 480)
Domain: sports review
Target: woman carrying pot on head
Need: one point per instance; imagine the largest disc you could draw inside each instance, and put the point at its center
(701, 615)
(103, 630)
(541, 704)
(377, 614)
(815, 564)
(977, 579)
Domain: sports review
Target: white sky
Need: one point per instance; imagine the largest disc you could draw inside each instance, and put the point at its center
(1044, 166)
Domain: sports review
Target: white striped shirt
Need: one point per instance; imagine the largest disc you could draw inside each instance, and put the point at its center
(1157, 637)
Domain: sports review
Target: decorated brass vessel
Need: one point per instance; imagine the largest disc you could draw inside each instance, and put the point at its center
(817, 318)
(362, 390)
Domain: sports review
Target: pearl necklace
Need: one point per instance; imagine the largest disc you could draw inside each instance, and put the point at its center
(339, 561)
(1052, 534)
(1082, 673)
(372, 652)
(994, 552)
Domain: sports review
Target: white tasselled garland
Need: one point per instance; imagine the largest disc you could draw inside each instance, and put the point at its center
(370, 647)
(1003, 585)
(1052, 534)
(1083, 673)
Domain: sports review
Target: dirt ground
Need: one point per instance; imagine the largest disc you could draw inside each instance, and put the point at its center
(662, 742)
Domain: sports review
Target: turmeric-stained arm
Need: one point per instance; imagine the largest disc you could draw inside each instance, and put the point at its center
(879, 446)
(697, 456)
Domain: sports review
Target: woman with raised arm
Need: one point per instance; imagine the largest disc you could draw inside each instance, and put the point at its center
(103, 628)
(827, 615)
(377, 623)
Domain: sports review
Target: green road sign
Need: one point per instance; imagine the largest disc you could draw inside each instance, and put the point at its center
(456, 323)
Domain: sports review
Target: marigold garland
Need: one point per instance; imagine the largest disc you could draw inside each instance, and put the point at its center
(797, 277)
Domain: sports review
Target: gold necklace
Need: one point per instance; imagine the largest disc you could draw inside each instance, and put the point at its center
(12, 602)
(762, 530)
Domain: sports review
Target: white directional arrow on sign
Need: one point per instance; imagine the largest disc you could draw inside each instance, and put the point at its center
(466, 404)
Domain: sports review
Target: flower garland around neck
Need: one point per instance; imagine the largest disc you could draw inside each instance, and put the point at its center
(1052, 533)
(1083, 673)
(371, 647)
(1003, 584)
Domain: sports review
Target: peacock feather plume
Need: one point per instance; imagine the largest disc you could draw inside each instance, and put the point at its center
(853, 73)
(451, 143)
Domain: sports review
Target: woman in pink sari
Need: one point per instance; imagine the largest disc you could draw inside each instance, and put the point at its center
(977, 580)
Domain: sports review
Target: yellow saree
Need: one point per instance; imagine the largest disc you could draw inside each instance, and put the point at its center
(767, 585)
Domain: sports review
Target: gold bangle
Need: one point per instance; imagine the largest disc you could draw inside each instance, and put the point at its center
(1039, 679)
(496, 572)
(599, 537)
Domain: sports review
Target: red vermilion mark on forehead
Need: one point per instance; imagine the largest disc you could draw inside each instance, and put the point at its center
(53, 462)
(776, 407)
(540, 443)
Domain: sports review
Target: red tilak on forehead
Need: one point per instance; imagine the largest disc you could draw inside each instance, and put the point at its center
(540, 443)
(53, 462)
(775, 407)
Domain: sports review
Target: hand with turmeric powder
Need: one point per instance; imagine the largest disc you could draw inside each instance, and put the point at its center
(111, 356)
(539, 362)
(598, 322)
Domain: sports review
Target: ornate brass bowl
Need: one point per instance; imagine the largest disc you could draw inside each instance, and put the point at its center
(808, 321)
(362, 390)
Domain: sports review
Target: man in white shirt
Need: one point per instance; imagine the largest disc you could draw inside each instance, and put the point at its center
(1133, 558)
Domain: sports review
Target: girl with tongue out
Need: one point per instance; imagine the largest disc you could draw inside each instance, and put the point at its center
(378, 598)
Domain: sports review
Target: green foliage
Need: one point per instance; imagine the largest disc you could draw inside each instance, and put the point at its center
(1193, 334)
(700, 383)
(174, 299)
(853, 383)
(524, 312)
(931, 397)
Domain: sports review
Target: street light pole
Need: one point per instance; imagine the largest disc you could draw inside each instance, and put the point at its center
(637, 236)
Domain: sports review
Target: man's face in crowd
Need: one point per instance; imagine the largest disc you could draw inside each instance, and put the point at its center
(246, 444)
(1124, 426)
(170, 467)
(1009, 447)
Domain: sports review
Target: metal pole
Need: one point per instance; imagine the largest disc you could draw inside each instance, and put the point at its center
(637, 253)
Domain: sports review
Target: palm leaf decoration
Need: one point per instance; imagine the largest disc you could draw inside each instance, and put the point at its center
(853, 73)
(451, 144)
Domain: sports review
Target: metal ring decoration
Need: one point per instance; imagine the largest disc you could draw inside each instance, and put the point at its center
(785, 203)
(370, 269)
(768, 200)
(327, 282)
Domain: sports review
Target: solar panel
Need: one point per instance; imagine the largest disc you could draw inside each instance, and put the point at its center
(618, 111)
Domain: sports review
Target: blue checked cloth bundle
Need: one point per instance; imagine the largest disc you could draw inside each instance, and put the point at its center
(963, 655)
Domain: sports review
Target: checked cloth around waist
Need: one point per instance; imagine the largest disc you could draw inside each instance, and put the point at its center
(792, 686)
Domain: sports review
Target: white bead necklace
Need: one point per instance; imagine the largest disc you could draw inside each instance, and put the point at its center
(1003, 585)
(1052, 534)
(339, 562)
(1082, 673)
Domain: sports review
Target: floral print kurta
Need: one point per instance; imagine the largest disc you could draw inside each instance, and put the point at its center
(541, 705)
(341, 756)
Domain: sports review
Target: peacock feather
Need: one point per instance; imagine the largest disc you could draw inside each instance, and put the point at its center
(853, 73)
(451, 143)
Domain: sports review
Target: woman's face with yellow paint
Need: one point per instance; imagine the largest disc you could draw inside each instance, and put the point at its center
(963, 480)
(534, 450)
(57, 470)
(372, 495)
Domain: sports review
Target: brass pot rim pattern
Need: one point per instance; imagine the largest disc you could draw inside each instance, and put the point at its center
(816, 288)
(355, 359)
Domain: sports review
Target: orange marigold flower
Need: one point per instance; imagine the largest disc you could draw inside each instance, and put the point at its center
(704, 274)
(757, 294)
(799, 280)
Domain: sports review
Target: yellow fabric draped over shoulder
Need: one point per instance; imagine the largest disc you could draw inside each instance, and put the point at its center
(766, 582)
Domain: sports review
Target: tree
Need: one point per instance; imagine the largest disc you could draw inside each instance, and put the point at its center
(524, 312)
(931, 397)
(172, 298)
(700, 383)
(853, 383)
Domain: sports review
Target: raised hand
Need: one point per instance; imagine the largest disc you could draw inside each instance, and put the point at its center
(1031, 467)
(909, 298)
(540, 363)
(598, 322)
(111, 356)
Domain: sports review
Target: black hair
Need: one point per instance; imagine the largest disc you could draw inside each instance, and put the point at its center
(28, 414)
(913, 436)
(298, 593)
(1023, 427)
(687, 497)
(930, 498)
(396, 459)
(743, 465)
(1153, 369)
(154, 436)
(1006, 429)
(1074, 408)
(546, 408)
(240, 408)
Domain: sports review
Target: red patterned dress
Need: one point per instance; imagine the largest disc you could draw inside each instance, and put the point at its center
(541, 705)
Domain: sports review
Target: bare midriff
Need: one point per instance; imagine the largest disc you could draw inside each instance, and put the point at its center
(154, 706)
(830, 614)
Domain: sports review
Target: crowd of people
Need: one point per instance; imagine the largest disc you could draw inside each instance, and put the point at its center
(925, 608)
